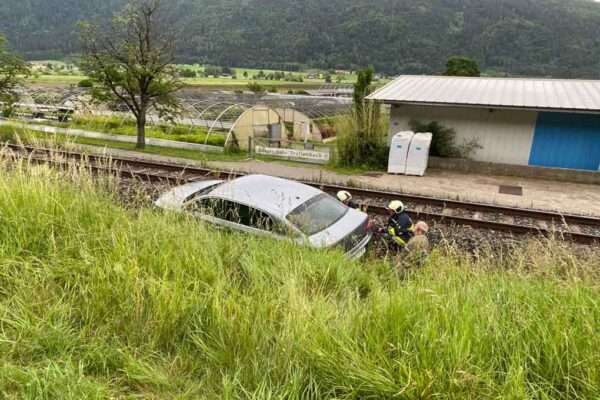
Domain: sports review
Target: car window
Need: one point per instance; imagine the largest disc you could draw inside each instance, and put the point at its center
(221, 209)
(236, 213)
(203, 192)
(317, 214)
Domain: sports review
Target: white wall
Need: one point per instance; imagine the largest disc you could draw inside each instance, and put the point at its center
(506, 136)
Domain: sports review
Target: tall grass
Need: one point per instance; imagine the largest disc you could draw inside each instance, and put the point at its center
(101, 302)
(362, 139)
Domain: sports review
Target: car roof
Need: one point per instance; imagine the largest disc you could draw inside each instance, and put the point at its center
(276, 196)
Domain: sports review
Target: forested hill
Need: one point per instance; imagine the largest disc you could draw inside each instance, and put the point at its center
(559, 38)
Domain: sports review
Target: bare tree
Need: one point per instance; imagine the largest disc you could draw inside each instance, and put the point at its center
(132, 61)
(12, 68)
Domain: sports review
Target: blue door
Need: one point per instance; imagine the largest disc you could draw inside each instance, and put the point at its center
(566, 141)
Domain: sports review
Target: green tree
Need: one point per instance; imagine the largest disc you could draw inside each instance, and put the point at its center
(132, 61)
(462, 66)
(12, 68)
(362, 88)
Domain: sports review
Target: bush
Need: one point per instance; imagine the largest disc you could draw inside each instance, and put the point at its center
(85, 83)
(443, 143)
(213, 71)
(188, 73)
(462, 66)
(7, 111)
(256, 87)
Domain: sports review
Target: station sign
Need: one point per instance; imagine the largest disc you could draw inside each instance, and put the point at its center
(319, 157)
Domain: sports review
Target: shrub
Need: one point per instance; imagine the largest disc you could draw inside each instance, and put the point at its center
(444, 140)
(85, 83)
(256, 87)
(462, 66)
(7, 111)
(188, 73)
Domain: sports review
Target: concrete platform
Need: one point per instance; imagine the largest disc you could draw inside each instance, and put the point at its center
(564, 197)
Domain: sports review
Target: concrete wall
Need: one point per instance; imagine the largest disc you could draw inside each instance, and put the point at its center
(506, 136)
(495, 169)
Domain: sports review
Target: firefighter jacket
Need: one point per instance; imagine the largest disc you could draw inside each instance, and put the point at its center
(401, 228)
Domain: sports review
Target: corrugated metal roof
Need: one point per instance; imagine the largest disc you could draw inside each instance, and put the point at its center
(545, 94)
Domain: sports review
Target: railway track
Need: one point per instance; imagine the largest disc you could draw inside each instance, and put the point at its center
(518, 221)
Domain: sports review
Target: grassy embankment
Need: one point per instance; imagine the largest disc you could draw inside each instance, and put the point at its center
(98, 301)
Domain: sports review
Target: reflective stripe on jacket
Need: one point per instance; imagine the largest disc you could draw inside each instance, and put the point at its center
(401, 228)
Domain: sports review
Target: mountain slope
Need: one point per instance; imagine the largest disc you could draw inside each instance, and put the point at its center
(523, 37)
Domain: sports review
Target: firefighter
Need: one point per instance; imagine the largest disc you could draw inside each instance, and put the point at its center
(346, 198)
(400, 226)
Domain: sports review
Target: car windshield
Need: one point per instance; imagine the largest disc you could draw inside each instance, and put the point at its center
(317, 214)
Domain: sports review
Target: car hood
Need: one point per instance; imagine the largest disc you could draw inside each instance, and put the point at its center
(174, 198)
(339, 231)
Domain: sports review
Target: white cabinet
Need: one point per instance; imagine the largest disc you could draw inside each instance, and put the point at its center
(418, 154)
(399, 152)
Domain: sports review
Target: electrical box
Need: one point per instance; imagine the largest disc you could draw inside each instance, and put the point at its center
(418, 154)
(399, 152)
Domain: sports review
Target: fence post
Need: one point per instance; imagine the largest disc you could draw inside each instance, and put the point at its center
(250, 147)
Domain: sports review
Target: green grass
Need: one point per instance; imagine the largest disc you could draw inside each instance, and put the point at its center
(13, 134)
(98, 301)
(56, 79)
(59, 76)
(16, 134)
(241, 84)
(119, 126)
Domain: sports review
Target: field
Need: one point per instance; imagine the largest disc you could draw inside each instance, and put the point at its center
(102, 300)
(61, 73)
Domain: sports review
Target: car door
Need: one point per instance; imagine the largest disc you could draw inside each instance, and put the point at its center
(235, 216)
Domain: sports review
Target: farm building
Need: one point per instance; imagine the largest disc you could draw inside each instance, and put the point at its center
(536, 122)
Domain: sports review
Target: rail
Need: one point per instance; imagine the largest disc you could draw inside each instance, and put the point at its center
(578, 228)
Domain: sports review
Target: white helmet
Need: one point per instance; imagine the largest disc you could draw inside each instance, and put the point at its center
(396, 206)
(344, 196)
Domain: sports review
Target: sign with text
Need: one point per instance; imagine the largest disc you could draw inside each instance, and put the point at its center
(314, 156)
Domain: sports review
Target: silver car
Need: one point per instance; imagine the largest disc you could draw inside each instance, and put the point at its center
(274, 207)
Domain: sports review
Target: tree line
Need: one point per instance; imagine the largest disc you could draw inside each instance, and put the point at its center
(553, 38)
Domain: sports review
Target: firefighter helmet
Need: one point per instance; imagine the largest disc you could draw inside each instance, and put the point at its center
(344, 196)
(396, 206)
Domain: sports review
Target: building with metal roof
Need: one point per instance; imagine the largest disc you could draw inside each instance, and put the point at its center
(525, 121)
